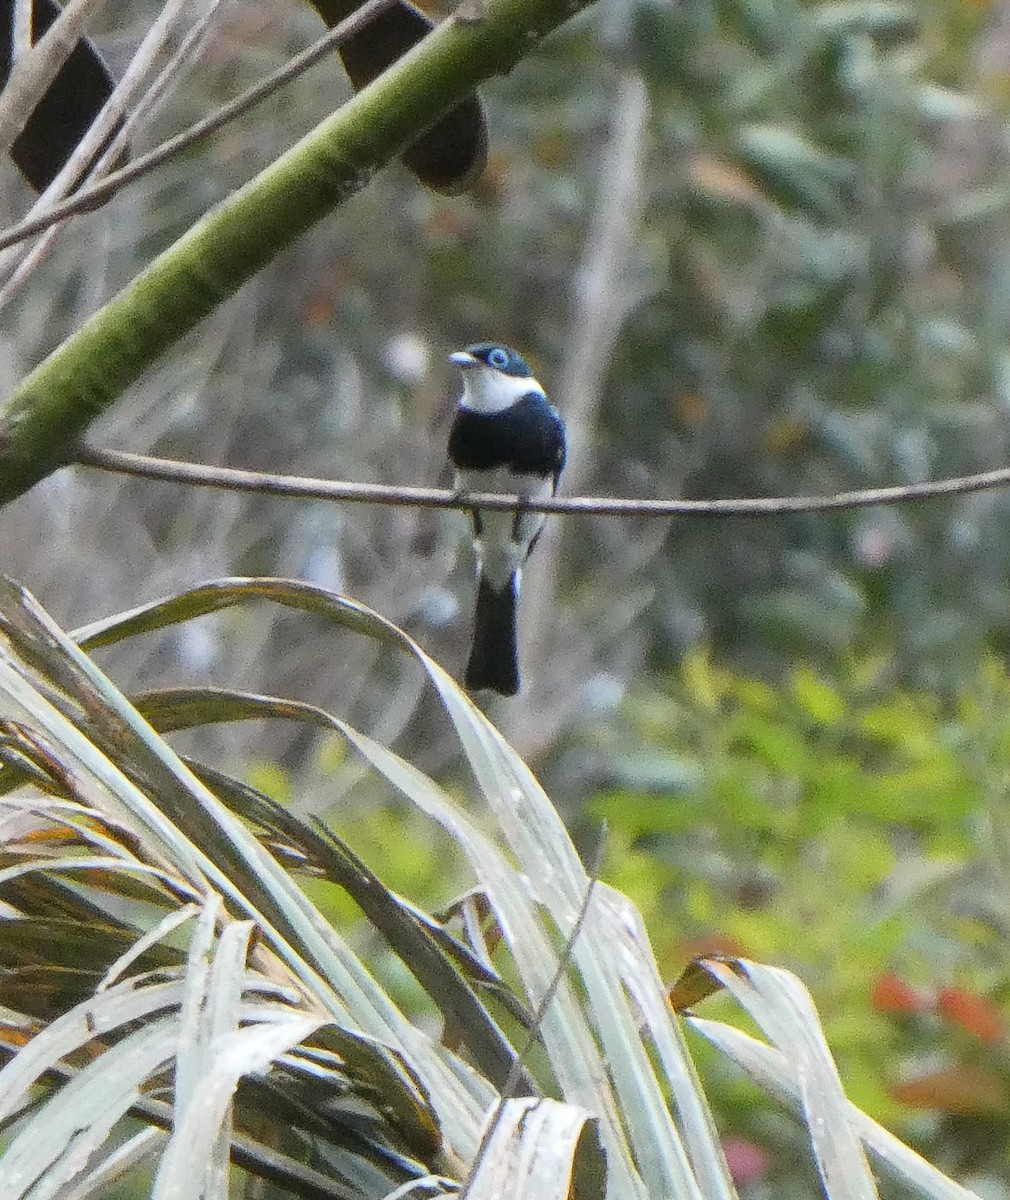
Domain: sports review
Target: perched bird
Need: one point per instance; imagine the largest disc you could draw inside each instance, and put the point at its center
(505, 437)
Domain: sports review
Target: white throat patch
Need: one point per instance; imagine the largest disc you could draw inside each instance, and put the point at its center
(488, 391)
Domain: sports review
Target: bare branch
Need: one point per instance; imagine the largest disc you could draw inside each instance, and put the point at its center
(297, 487)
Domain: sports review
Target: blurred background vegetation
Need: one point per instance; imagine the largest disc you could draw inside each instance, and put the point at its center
(754, 247)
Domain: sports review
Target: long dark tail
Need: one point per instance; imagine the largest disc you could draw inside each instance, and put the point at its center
(494, 658)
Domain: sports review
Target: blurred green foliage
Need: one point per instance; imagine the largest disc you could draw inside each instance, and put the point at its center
(833, 217)
(814, 298)
(836, 823)
(857, 833)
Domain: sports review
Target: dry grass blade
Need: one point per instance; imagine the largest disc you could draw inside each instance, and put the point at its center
(783, 1008)
(597, 1052)
(97, 749)
(772, 1071)
(285, 1053)
(540, 1148)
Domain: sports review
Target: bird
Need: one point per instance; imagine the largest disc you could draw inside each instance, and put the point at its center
(506, 437)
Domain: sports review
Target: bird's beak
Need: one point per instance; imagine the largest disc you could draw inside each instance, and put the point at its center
(463, 358)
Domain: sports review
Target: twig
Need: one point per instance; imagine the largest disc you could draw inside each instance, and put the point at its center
(297, 487)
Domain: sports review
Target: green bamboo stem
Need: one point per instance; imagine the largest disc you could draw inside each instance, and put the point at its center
(43, 421)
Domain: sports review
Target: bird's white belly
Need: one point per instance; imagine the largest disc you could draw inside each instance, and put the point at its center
(504, 542)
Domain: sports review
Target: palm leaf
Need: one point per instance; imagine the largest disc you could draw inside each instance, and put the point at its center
(178, 1003)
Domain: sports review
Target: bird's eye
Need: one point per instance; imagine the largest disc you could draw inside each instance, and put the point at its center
(498, 359)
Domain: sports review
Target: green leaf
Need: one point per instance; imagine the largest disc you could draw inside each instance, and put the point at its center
(817, 699)
(793, 170)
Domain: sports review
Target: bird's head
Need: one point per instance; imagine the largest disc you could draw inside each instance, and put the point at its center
(494, 377)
